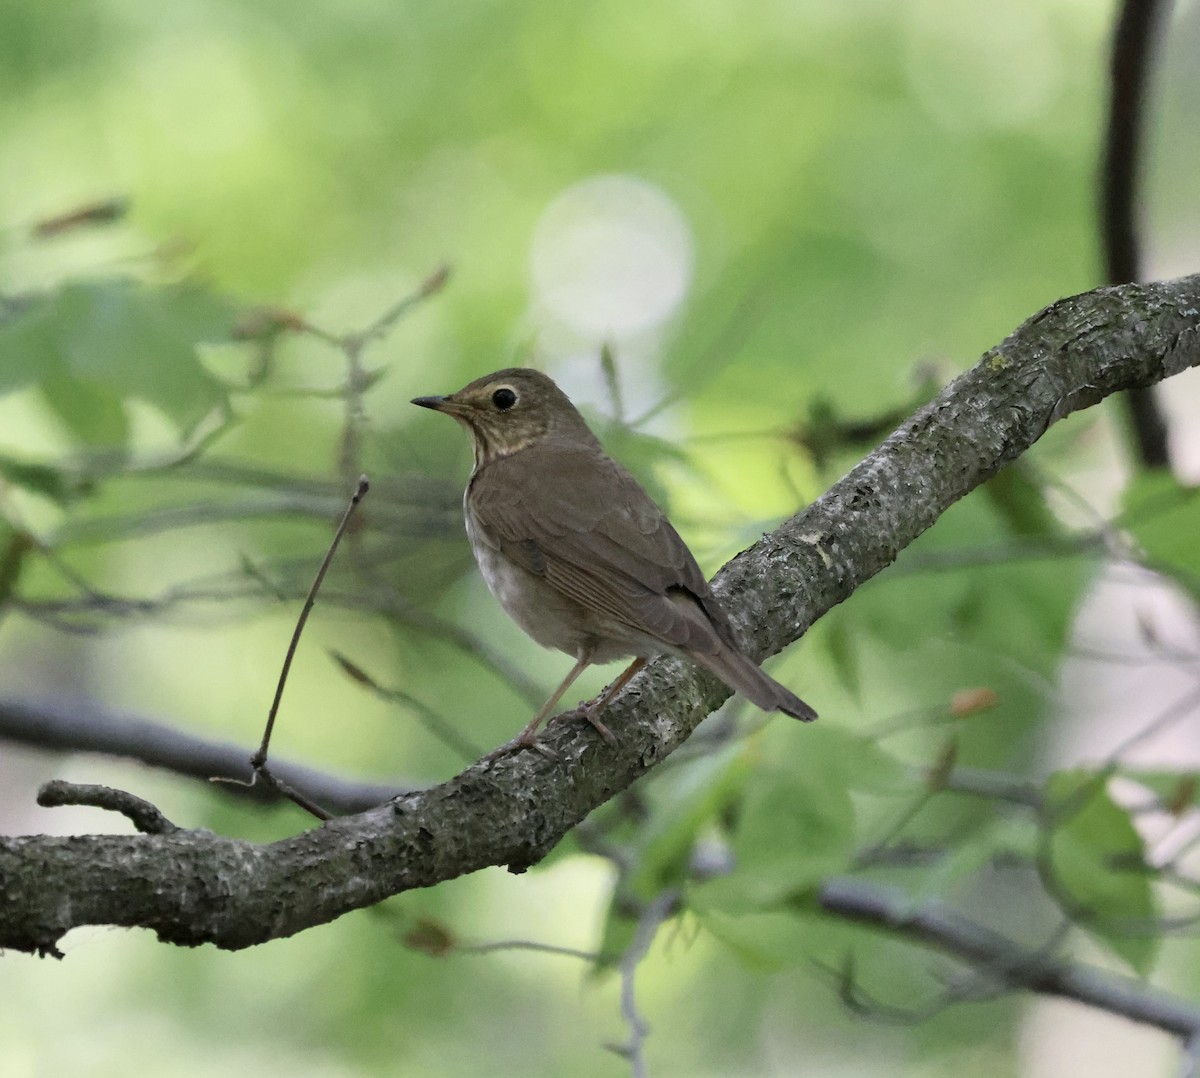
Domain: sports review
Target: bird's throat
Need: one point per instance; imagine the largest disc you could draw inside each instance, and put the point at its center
(488, 449)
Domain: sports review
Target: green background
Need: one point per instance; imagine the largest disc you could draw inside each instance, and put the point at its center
(838, 204)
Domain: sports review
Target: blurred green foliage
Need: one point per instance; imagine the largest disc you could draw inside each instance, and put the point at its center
(873, 194)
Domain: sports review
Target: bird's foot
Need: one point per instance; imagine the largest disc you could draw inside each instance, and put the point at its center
(517, 744)
(591, 712)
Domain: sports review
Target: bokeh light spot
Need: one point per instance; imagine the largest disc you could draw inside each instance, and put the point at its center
(612, 257)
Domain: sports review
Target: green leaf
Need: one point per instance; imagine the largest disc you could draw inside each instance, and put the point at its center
(701, 792)
(682, 808)
(1097, 867)
(1164, 518)
(42, 479)
(29, 344)
(796, 826)
(856, 762)
(1020, 503)
(93, 413)
(768, 941)
(951, 584)
(14, 546)
(121, 340)
(619, 930)
(803, 935)
(998, 836)
(834, 632)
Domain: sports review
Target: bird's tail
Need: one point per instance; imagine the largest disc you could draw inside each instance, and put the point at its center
(754, 683)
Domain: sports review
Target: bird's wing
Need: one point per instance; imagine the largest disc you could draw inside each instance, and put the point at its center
(586, 526)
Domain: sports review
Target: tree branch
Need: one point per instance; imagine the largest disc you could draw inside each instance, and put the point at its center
(84, 726)
(937, 925)
(1130, 62)
(195, 887)
(1130, 66)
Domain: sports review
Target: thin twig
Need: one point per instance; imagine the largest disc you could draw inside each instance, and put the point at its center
(995, 786)
(730, 339)
(259, 760)
(526, 945)
(612, 381)
(860, 1002)
(79, 616)
(648, 924)
(260, 757)
(314, 507)
(872, 851)
(358, 378)
(1181, 709)
(427, 717)
(264, 776)
(144, 816)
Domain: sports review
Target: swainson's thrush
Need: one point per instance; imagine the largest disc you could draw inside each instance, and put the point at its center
(576, 551)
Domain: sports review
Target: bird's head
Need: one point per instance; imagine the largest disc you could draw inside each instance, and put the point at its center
(510, 410)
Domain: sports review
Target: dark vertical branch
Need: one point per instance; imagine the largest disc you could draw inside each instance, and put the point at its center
(1133, 42)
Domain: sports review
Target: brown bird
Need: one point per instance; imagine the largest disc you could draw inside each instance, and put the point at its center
(578, 553)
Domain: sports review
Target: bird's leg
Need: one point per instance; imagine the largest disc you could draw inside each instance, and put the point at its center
(593, 708)
(527, 738)
(529, 734)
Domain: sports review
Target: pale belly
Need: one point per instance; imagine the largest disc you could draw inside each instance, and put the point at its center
(552, 619)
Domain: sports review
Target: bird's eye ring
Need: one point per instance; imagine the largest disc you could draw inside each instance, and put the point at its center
(504, 398)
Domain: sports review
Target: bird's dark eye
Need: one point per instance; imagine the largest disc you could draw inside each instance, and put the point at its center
(504, 398)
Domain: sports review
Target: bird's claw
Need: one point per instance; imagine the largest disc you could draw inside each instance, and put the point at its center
(528, 739)
(600, 728)
(586, 711)
(521, 741)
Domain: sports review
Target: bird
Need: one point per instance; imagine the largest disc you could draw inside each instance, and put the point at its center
(579, 555)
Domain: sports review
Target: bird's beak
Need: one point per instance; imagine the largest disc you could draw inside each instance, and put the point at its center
(438, 404)
(455, 409)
